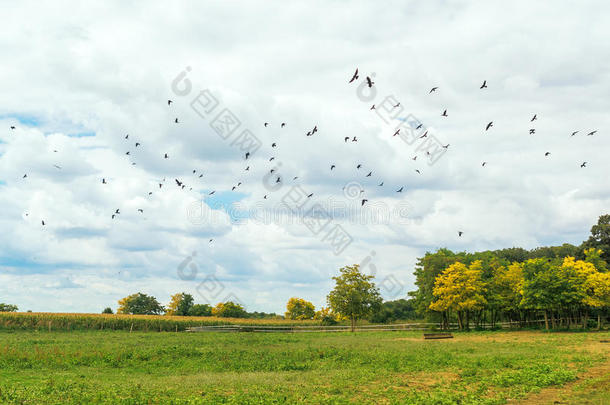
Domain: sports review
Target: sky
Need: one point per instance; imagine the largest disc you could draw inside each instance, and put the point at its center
(78, 78)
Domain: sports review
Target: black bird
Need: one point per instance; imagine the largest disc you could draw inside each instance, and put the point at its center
(233, 188)
(380, 184)
(201, 175)
(12, 127)
(194, 171)
(160, 185)
(272, 157)
(424, 135)
(417, 171)
(419, 126)
(127, 153)
(532, 131)
(354, 139)
(491, 124)
(273, 145)
(43, 224)
(272, 170)
(363, 201)
(359, 166)
(534, 118)
(372, 107)
(179, 183)
(399, 190)
(166, 157)
(355, 76)
(57, 167)
(169, 102)
(592, 133)
(315, 129)
(484, 85)
(283, 125)
(265, 124)
(309, 195)
(397, 105)
(574, 133)
(248, 168)
(445, 146)
(210, 241)
(117, 211)
(444, 114)
(150, 193)
(432, 89)
(369, 175)
(141, 210)
(247, 155)
(547, 153)
(369, 82)
(584, 164)
(346, 139)
(332, 167)
(212, 192)
(397, 132)
(295, 177)
(104, 181)
(113, 216)
(308, 133)
(127, 136)
(265, 197)
(483, 164)
(460, 233)
(414, 157)
(24, 176)
(137, 144)
(176, 120)
(278, 180)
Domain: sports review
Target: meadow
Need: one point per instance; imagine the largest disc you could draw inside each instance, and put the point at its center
(118, 367)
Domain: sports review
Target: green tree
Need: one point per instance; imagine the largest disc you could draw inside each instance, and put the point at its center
(298, 308)
(8, 308)
(229, 309)
(139, 304)
(180, 304)
(107, 310)
(600, 237)
(354, 295)
(200, 310)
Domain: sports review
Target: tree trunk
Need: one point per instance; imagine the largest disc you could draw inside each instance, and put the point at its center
(546, 320)
(353, 323)
(599, 320)
(461, 325)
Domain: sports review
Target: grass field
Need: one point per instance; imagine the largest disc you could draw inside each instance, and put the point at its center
(246, 368)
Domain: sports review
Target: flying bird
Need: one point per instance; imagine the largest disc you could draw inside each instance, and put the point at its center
(212, 192)
(591, 133)
(369, 175)
(584, 164)
(346, 139)
(372, 107)
(397, 105)
(58, 167)
(433, 89)
(12, 127)
(127, 136)
(444, 114)
(532, 131)
(358, 166)
(176, 120)
(283, 125)
(332, 167)
(491, 124)
(445, 146)
(483, 164)
(400, 190)
(140, 210)
(574, 133)
(414, 157)
(418, 172)
(24, 176)
(363, 201)
(137, 144)
(355, 76)
(424, 135)
(273, 145)
(277, 180)
(169, 102)
(104, 181)
(354, 139)
(179, 183)
(534, 118)
(547, 153)
(247, 168)
(127, 153)
(117, 211)
(309, 195)
(165, 156)
(484, 85)
(369, 82)
(43, 224)
(265, 124)
(419, 126)
(247, 156)
(272, 157)
(397, 132)
(380, 184)
(460, 233)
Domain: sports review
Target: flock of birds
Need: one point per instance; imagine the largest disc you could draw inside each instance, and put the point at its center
(332, 166)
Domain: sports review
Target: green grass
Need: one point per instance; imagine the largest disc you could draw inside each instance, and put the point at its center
(250, 368)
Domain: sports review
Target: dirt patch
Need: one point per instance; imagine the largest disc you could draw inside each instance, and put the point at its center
(515, 336)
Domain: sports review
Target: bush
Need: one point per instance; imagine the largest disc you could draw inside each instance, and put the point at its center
(8, 308)
(107, 310)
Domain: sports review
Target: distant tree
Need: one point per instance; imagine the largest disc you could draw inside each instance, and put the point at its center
(180, 304)
(107, 310)
(229, 309)
(200, 310)
(600, 237)
(8, 308)
(298, 308)
(326, 316)
(392, 311)
(355, 295)
(140, 304)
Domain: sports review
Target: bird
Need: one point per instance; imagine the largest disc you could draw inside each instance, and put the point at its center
(12, 127)
(315, 129)
(332, 167)
(273, 145)
(418, 172)
(369, 82)
(354, 139)
(127, 153)
(574, 133)
(150, 193)
(24, 176)
(534, 118)
(424, 135)
(491, 124)
(584, 164)
(201, 175)
(363, 202)
(433, 89)
(127, 136)
(272, 157)
(591, 133)
(414, 157)
(380, 184)
(137, 144)
(295, 177)
(346, 139)
(57, 167)
(277, 180)
(272, 170)
(354, 76)
(104, 181)
(397, 105)
(400, 190)
(444, 114)
(283, 125)
(247, 168)
(358, 166)
(160, 185)
(309, 195)
(176, 120)
(265, 197)
(166, 156)
(397, 132)
(210, 241)
(169, 102)
(445, 146)
(113, 216)
(460, 233)
(194, 171)
(419, 126)
(43, 224)
(369, 175)
(265, 124)
(247, 156)
(178, 182)
(233, 188)
(212, 192)
(547, 153)
(484, 85)
(372, 107)
(483, 164)
(532, 131)
(140, 210)
(117, 211)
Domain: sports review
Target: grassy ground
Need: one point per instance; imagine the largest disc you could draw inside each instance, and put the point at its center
(335, 368)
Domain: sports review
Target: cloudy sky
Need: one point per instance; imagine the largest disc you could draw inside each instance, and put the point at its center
(76, 79)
